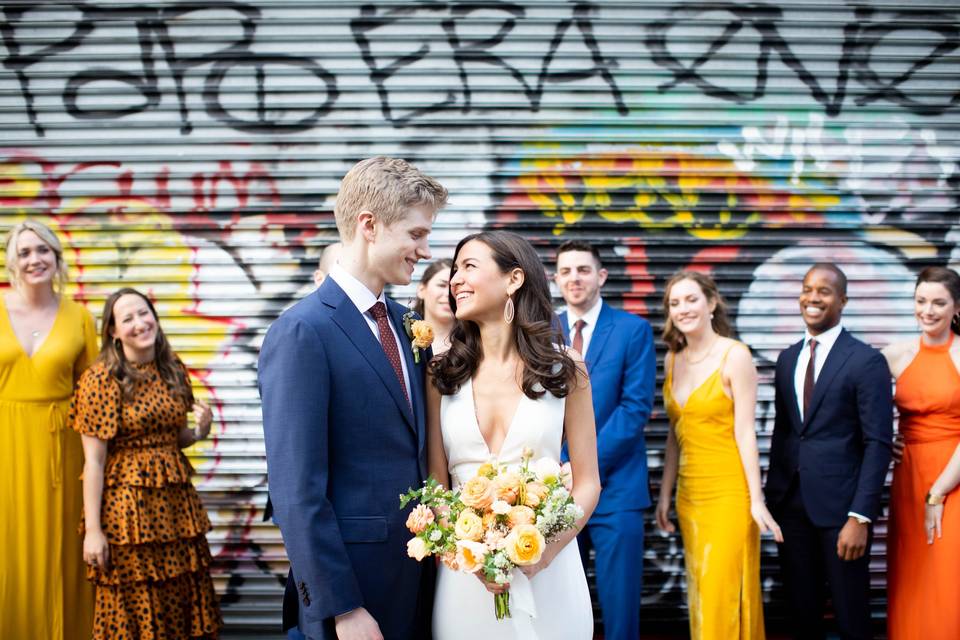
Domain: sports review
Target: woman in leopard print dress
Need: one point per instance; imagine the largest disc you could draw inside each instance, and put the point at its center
(144, 525)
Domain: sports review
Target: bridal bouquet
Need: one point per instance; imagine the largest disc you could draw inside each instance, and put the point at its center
(499, 519)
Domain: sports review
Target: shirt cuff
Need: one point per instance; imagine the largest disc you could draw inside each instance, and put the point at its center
(854, 514)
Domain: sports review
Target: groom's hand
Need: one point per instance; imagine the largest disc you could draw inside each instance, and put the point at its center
(357, 625)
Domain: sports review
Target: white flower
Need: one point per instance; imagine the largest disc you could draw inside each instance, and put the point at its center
(435, 535)
(500, 507)
(547, 470)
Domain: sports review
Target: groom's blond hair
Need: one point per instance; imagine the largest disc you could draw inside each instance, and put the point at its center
(386, 187)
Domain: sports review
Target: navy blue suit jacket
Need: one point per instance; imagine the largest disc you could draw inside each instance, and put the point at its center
(841, 450)
(622, 365)
(342, 444)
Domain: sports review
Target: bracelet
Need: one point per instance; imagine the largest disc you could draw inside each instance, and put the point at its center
(934, 499)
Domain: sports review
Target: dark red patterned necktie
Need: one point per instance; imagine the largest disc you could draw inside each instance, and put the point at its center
(808, 381)
(389, 343)
(578, 336)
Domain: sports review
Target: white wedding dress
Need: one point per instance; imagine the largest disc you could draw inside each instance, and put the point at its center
(555, 604)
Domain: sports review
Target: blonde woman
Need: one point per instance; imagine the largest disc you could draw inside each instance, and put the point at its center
(46, 342)
(710, 393)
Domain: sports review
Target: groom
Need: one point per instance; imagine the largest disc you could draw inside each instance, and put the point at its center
(343, 418)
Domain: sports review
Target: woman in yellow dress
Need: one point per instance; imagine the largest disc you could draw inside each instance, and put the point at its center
(710, 392)
(46, 341)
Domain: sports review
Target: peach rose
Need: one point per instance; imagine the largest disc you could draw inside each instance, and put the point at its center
(477, 492)
(422, 334)
(450, 559)
(524, 545)
(419, 519)
(506, 487)
(535, 494)
(521, 514)
(470, 555)
(469, 526)
(417, 549)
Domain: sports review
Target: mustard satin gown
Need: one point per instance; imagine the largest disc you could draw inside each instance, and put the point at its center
(43, 589)
(721, 542)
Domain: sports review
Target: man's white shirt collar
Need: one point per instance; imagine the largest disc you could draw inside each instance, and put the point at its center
(359, 295)
(590, 317)
(825, 340)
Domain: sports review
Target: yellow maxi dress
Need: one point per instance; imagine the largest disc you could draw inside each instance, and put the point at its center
(43, 590)
(721, 542)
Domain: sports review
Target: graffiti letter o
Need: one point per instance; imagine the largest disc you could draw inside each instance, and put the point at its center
(215, 108)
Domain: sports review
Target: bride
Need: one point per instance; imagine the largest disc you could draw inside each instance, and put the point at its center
(505, 386)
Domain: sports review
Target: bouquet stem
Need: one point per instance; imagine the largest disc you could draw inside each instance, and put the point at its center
(501, 604)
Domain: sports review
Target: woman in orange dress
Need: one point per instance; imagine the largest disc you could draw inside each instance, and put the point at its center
(144, 540)
(923, 552)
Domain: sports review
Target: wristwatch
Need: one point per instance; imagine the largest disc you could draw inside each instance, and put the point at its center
(933, 499)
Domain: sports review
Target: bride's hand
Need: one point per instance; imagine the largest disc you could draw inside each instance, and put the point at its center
(766, 523)
(663, 516)
(491, 586)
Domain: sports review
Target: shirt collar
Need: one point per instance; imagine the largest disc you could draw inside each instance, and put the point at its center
(590, 317)
(825, 339)
(359, 295)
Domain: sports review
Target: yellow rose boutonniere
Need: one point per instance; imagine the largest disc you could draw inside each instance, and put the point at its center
(420, 333)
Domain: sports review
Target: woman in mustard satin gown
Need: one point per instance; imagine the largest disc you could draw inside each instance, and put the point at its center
(923, 547)
(710, 393)
(46, 341)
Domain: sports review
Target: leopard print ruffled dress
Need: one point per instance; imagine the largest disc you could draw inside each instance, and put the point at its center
(158, 586)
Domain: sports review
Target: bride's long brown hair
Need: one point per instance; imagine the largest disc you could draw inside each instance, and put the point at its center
(169, 366)
(536, 330)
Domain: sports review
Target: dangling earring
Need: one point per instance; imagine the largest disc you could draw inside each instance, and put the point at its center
(508, 311)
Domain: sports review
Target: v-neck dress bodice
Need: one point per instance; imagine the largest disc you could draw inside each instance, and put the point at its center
(556, 602)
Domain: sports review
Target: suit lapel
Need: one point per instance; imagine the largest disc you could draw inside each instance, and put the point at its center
(354, 325)
(413, 369)
(835, 359)
(787, 379)
(565, 326)
(600, 334)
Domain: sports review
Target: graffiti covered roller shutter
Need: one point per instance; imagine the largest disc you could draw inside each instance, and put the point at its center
(194, 150)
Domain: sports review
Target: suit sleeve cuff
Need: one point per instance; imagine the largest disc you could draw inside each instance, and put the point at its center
(854, 514)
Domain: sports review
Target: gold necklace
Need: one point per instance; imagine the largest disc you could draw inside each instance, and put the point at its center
(707, 355)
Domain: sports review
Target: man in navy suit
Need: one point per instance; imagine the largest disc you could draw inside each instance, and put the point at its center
(343, 418)
(828, 460)
(618, 348)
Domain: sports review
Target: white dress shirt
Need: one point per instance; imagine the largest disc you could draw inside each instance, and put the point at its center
(590, 322)
(362, 298)
(825, 342)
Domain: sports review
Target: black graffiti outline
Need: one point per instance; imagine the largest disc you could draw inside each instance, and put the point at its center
(477, 51)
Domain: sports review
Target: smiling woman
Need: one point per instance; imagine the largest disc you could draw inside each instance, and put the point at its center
(46, 341)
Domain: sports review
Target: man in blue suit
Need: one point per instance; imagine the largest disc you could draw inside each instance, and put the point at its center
(828, 460)
(343, 418)
(618, 348)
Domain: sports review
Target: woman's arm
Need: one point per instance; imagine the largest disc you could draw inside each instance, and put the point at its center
(668, 478)
(96, 550)
(436, 454)
(741, 375)
(945, 483)
(581, 432)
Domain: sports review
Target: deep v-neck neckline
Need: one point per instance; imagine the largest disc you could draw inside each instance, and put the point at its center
(673, 394)
(13, 332)
(476, 422)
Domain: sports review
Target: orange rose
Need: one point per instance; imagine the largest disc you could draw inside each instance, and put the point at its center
(477, 492)
(470, 555)
(506, 487)
(536, 492)
(419, 519)
(521, 514)
(422, 334)
(525, 545)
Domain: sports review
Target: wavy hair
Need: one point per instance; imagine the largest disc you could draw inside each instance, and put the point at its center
(673, 337)
(169, 366)
(951, 282)
(536, 330)
(432, 269)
